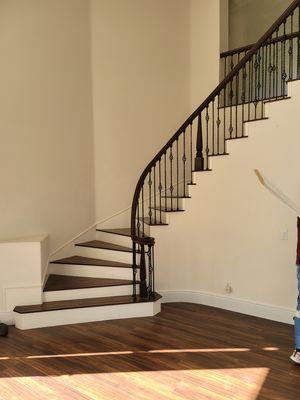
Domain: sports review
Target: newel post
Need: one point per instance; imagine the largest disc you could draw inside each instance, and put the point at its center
(143, 274)
(199, 160)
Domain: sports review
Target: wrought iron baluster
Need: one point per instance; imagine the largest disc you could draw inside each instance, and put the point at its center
(171, 157)
(159, 188)
(243, 98)
(177, 174)
(165, 165)
(256, 65)
(218, 122)
(150, 271)
(150, 196)
(230, 112)
(274, 68)
(283, 66)
(276, 65)
(291, 51)
(298, 42)
(134, 269)
(143, 273)
(199, 162)
(213, 126)
(143, 213)
(207, 137)
(191, 150)
(154, 192)
(236, 102)
(270, 70)
(249, 89)
(184, 164)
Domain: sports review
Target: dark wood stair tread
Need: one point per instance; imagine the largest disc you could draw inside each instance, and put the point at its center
(119, 231)
(98, 244)
(176, 197)
(67, 282)
(272, 100)
(166, 209)
(83, 303)
(79, 260)
(256, 119)
(153, 222)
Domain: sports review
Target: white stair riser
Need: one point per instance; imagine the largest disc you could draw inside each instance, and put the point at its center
(113, 238)
(103, 254)
(82, 315)
(89, 293)
(91, 271)
(169, 203)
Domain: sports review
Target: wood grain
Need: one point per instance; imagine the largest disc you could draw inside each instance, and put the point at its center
(187, 352)
(82, 303)
(98, 244)
(68, 282)
(79, 260)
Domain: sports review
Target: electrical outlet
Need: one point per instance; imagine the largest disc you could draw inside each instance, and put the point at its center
(228, 288)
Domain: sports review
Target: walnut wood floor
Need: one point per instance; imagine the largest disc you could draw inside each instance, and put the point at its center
(186, 352)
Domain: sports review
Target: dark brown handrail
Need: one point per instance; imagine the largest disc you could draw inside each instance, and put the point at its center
(202, 107)
(220, 97)
(243, 49)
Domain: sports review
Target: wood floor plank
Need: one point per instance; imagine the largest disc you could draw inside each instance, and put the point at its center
(187, 352)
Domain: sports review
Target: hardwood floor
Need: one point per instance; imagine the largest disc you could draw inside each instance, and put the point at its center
(188, 351)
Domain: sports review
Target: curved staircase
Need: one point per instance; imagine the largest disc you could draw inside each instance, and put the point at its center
(113, 276)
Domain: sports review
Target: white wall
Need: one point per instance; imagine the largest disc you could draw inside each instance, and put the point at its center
(232, 230)
(250, 19)
(46, 152)
(204, 50)
(148, 74)
(224, 25)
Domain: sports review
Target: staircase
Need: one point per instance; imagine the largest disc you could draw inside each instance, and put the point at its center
(113, 276)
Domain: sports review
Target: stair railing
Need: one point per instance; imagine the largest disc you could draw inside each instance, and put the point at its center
(261, 74)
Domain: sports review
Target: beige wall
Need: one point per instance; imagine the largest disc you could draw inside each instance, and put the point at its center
(148, 74)
(250, 19)
(46, 153)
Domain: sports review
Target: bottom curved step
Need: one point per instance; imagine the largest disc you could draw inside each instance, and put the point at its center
(85, 310)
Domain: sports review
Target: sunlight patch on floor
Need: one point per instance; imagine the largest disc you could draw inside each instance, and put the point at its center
(219, 384)
(127, 352)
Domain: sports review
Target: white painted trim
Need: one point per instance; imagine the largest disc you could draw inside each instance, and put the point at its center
(268, 311)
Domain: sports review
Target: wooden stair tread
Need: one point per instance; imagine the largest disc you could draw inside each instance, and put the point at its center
(67, 282)
(166, 209)
(153, 222)
(176, 197)
(118, 231)
(79, 260)
(98, 244)
(83, 303)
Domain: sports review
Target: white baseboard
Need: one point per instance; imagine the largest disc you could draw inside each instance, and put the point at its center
(7, 318)
(274, 313)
